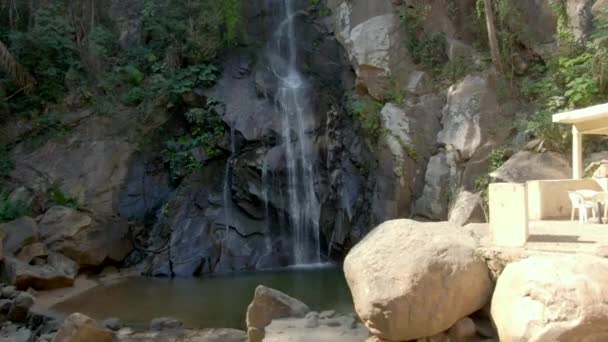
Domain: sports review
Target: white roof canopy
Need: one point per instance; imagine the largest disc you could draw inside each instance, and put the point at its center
(590, 120)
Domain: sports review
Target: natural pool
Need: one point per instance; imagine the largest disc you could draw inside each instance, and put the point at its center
(209, 302)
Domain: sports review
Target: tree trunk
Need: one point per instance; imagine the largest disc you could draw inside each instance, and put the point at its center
(494, 48)
(9, 64)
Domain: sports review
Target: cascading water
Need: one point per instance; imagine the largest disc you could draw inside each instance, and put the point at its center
(227, 196)
(297, 124)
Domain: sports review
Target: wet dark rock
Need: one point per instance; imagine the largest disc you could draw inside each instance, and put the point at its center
(8, 292)
(113, 324)
(165, 323)
(20, 307)
(5, 305)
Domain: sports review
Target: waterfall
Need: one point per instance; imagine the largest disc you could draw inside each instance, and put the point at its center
(227, 192)
(297, 126)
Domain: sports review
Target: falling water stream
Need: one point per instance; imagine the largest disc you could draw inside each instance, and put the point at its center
(292, 104)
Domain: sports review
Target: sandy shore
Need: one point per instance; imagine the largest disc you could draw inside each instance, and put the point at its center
(45, 300)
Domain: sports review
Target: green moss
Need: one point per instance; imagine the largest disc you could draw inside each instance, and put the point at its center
(367, 111)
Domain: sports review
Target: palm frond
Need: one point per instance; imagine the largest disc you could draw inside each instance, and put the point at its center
(9, 64)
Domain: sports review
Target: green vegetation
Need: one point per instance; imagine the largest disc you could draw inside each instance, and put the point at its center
(496, 159)
(9, 210)
(73, 47)
(367, 111)
(188, 152)
(576, 77)
(57, 197)
(6, 164)
(427, 49)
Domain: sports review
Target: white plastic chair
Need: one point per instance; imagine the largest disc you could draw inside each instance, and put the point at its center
(582, 205)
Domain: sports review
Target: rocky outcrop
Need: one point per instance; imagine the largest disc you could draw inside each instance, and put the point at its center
(473, 115)
(269, 304)
(56, 272)
(433, 203)
(525, 166)
(18, 233)
(374, 40)
(581, 17)
(552, 298)
(429, 274)
(403, 150)
(197, 235)
(76, 235)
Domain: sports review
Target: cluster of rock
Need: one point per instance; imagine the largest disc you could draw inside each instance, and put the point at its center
(273, 316)
(46, 253)
(19, 322)
(429, 282)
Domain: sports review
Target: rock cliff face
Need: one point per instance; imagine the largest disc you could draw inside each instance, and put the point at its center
(234, 213)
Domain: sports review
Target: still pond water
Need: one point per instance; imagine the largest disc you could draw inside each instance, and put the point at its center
(209, 302)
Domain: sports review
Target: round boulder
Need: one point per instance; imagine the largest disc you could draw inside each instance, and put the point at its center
(411, 280)
(552, 298)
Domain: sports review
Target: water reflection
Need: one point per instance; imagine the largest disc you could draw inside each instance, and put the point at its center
(219, 301)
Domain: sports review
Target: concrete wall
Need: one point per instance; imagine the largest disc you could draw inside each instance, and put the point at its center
(508, 214)
(548, 199)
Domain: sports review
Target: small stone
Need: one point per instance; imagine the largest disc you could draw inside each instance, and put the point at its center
(332, 322)
(8, 291)
(108, 271)
(484, 328)
(113, 324)
(165, 323)
(46, 337)
(463, 330)
(5, 305)
(20, 307)
(327, 314)
(312, 320)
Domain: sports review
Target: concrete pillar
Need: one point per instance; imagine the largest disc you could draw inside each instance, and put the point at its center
(577, 153)
(508, 214)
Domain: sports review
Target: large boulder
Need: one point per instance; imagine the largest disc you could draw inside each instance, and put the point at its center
(434, 202)
(76, 235)
(80, 328)
(526, 165)
(468, 208)
(409, 134)
(269, 304)
(411, 280)
(194, 236)
(59, 271)
(552, 298)
(474, 115)
(372, 36)
(18, 233)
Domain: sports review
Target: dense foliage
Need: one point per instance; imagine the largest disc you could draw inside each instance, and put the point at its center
(576, 77)
(73, 49)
